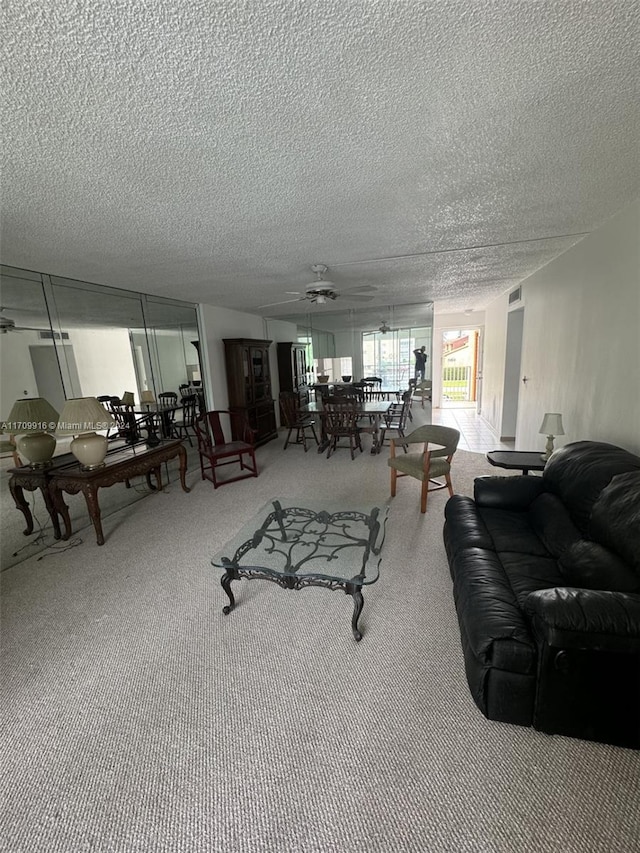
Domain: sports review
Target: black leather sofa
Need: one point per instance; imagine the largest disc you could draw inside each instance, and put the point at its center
(546, 582)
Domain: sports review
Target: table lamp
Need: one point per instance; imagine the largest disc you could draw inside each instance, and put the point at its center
(551, 426)
(32, 420)
(147, 399)
(128, 399)
(82, 416)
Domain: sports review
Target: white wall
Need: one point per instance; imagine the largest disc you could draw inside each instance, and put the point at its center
(102, 356)
(17, 379)
(581, 342)
(104, 360)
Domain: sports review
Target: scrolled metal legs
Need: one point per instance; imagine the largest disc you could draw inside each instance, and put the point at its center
(225, 580)
(358, 603)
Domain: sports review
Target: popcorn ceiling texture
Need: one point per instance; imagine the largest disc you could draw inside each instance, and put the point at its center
(215, 150)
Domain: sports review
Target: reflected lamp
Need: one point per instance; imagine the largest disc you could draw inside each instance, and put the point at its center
(147, 399)
(81, 417)
(33, 420)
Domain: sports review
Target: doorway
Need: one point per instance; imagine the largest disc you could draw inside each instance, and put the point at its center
(460, 368)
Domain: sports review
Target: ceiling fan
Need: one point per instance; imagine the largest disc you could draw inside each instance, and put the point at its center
(321, 291)
(9, 325)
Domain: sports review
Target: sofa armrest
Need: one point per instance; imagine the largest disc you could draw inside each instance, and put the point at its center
(512, 493)
(596, 620)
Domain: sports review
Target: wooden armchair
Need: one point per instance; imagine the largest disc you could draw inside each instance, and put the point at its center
(428, 463)
(216, 451)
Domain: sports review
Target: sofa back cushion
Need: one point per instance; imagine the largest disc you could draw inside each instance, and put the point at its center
(578, 472)
(589, 565)
(615, 518)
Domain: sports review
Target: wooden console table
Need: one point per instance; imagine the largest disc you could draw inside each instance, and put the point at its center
(32, 479)
(119, 467)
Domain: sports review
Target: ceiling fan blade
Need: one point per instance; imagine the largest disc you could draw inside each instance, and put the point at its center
(355, 296)
(369, 288)
(284, 302)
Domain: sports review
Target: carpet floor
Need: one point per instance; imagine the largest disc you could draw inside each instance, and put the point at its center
(138, 717)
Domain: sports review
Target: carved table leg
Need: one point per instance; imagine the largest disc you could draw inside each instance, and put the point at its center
(91, 497)
(183, 468)
(18, 496)
(61, 508)
(53, 515)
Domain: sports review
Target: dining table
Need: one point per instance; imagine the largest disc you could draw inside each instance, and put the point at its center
(147, 416)
(373, 409)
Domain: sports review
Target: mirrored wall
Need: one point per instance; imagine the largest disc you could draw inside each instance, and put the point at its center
(63, 338)
(370, 342)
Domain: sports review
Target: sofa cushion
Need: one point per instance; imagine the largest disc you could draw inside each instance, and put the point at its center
(591, 566)
(615, 519)
(552, 523)
(529, 572)
(512, 531)
(579, 471)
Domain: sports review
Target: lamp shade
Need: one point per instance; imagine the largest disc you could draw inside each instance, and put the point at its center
(81, 416)
(128, 399)
(551, 424)
(32, 419)
(147, 397)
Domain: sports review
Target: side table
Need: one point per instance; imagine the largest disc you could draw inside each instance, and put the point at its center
(119, 467)
(516, 460)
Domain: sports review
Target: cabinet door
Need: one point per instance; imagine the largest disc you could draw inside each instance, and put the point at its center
(300, 366)
(260, 376)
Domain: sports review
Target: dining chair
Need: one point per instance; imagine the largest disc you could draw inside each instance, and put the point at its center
(217, 450)
(187, 419)
(125, 419)
(294, 419)
(427, 464)
(423, 391)
(395, 420)
(340, 420)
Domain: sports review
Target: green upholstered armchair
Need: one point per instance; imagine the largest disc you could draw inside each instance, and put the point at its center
(439, 443)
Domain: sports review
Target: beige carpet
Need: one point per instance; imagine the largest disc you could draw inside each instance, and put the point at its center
(137, 717)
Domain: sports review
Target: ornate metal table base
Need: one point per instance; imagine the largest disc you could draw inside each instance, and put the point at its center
(294, 538)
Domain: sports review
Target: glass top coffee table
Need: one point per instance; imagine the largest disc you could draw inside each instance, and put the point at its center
(295, 546)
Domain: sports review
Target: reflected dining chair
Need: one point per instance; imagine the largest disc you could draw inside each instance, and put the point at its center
(395, 420)
(340, 420)
(294, 419)
(216, 450)
(187, 419)
(428, 463)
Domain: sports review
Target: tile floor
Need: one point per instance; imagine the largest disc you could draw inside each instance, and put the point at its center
(475, 434)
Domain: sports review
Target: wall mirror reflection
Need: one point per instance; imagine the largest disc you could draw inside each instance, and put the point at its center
(366, 341)
(61, 338)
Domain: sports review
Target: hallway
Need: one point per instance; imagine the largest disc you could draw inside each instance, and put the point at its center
(475, 434)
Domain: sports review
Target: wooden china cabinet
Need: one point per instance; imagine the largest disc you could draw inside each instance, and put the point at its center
(249, 385)
(292, 368)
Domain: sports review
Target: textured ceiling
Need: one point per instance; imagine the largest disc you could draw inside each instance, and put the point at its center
(214, 151)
